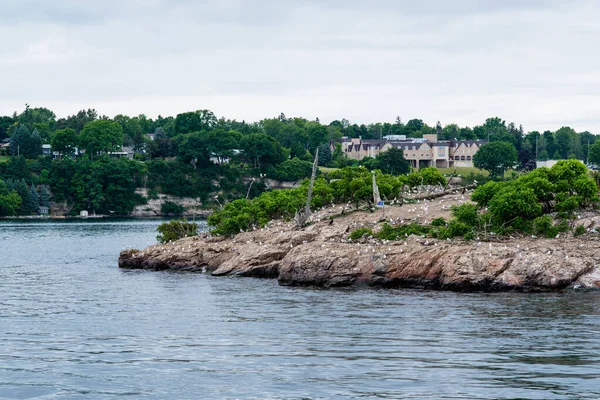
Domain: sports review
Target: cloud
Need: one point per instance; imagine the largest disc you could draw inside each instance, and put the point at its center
(531, 62)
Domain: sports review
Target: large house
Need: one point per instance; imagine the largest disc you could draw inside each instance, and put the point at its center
(419, 152)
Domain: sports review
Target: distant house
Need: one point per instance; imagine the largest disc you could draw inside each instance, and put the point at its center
(126, 152)
(42, 210)
(427, 151)
(46, 150)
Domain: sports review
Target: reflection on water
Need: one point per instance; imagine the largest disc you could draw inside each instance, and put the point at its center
(72, 325)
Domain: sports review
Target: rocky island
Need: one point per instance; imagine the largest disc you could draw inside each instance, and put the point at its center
(321, 254)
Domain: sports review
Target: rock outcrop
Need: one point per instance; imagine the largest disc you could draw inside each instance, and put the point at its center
(321, 255)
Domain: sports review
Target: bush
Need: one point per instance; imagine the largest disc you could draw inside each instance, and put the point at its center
(431, 176)
(438, 222)
(545, 226)
(579, 230)
(175, 230)
(466, 213)
(457, 228)
(360, 233)
(170, 207)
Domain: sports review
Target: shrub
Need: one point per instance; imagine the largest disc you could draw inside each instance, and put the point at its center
(175, 230)
(438, 222)
(457, 228)
(360, 233)
(510, 203)
(431, 176)
(483, 194)
(466, 213)
(170, 207)
(389, 232)
(544, 226)
(579, 230)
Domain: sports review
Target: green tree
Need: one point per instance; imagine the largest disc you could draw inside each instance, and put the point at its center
(261, 150)
(324, 154)
(594, 157)
(101, 136)
(495, 157)
(64, 141)
(392, 162)
(34, 199)
(44, 197)
(17, 169)
(10, 202)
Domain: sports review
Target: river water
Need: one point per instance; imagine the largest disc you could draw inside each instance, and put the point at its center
(74, 326)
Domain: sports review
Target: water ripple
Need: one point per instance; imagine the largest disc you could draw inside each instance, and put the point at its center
(72, 325)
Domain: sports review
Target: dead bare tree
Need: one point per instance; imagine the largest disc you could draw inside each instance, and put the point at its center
(302, 215)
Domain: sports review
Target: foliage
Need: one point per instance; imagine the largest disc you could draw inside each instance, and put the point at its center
(106, 185)
(579, 230)
(564, 188)
(466, 213)
(325, 155)
(438, 222)
(495, 157)
(360, 233)
(10, 201)
(175, 230)
(64, 141)
(101, 136)
(388, 232)
(431, 176)
(392, 162)
(25, 143)
(170, 207)
(291, 170)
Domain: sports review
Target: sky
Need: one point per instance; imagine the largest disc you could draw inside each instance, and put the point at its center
(532, 62)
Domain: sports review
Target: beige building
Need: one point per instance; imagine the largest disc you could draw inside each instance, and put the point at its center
(419, 152)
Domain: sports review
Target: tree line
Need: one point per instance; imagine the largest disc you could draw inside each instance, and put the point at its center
(196, 154)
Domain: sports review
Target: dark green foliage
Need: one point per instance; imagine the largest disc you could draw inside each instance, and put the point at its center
(44, 197)
(170, 207)
(431, 176)
(10, 201)
(291, 170)
(34, 199)
(104, 185)
(101, 136)
(175, 230)
(391, 162)
(64, 141)
(17, 169)
(325, 156)
(20, 187)
(466, 214)
(496, 157)
(179, 179)
(25, 143)
(438, 222)
(457, 228)
(579, 230)
(360, 233)
(563, 188)
(544, 226)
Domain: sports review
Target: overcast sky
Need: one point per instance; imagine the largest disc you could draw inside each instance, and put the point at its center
(533, 62)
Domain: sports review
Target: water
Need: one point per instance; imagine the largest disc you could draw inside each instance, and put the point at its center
(74, 326)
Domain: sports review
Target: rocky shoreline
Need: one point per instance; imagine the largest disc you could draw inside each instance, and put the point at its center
(322, 255)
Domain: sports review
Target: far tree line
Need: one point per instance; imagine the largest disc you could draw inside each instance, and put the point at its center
(197, 154)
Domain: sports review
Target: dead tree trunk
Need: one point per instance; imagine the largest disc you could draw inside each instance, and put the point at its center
(302, 216)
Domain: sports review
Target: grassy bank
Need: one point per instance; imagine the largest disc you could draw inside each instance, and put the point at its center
(4, 159)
